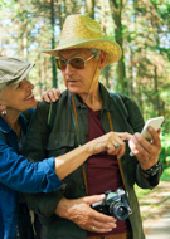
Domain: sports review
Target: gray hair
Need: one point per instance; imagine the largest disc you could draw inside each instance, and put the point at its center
(96, 52)
(13, 70)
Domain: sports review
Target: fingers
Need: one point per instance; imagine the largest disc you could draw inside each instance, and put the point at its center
(81, 213)
(142, 145)
(139, 150)
(93, 199)
(155, 135)
(116, 145)
(118, 150)
(102, 218)
(51, 95)
(99, 228)
(121, 151)
(146, 152)
(124, 135)
(111, 142)
(101, 225)
(118, 138)
(56, 93)
(96, 221)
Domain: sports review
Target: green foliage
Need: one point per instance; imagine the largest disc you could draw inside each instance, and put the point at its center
(141, 192)
(140, 27)
(166, 174)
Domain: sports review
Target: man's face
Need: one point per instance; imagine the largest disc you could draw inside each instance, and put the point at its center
(79, 80)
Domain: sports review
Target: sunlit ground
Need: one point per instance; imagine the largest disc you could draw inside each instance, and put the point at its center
(155, 208)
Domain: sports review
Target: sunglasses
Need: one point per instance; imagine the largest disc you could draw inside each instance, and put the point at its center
(75, 62)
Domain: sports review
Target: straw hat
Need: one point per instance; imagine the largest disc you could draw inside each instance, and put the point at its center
(12, 70)
(80, 31)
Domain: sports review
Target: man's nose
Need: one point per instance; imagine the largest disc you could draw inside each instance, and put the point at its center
(68, 68)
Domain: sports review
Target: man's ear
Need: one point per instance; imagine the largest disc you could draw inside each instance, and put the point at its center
(102, 60)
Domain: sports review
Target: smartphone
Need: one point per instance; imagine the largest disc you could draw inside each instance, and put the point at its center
(155, 123)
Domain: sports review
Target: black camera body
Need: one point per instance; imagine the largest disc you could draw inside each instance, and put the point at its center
(114, 204)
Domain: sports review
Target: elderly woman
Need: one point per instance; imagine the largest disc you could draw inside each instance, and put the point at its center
(16, 172)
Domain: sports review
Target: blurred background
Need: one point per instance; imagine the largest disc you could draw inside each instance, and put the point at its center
(141, 27)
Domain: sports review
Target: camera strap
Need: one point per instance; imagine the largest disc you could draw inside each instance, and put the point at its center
(75, 120)
(118, 159)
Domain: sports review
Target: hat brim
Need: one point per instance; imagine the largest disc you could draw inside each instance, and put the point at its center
(111, 48)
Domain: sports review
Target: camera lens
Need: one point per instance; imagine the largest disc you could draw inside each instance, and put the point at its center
(119, 211)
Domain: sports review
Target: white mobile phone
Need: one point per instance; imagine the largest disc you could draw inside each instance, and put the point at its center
(155, 123)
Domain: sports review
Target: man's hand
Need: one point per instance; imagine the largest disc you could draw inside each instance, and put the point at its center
(51, 95)
(80, 212)
(146, 152)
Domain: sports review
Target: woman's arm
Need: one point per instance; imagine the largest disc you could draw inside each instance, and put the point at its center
(70, 161)
(20, 174)
(23, 175)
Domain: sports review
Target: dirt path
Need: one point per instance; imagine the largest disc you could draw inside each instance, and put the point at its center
(155, 209)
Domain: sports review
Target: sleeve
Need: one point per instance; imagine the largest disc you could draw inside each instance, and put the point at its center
(134, 115)
(35, 148)
(136, 120)
(20, 174)
(146, 182)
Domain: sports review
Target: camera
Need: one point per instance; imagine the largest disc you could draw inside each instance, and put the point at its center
(114, 204)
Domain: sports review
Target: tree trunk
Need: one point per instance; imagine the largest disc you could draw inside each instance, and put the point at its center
(90, 8)
(116, 9)
(55, 79)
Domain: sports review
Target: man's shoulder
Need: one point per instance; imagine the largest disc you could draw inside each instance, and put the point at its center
(111, 95)
(54, 109)
(119, 96)
(123, 99)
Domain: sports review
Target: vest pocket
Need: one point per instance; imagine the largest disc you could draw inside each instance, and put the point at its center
(60, 142)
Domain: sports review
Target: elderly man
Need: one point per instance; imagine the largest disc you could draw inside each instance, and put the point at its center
(85, 111)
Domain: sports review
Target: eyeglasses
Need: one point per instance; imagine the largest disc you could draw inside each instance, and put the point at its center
(75, 62)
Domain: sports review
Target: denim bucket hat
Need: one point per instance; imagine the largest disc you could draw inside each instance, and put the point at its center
(80, 31)
(13, 70)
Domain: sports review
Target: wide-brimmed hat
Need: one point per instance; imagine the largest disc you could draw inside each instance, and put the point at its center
(13, 69)
(80, 31)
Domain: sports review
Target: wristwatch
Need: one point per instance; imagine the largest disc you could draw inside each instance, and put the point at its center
(153, 170)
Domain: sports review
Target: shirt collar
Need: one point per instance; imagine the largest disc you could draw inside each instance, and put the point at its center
(4, 127)
(106, 98)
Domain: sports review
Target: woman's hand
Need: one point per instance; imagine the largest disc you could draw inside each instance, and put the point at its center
(112, 142)
(146, 152)
(51, 95)
(81, 213)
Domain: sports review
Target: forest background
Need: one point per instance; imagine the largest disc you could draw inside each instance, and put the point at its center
(141, 27)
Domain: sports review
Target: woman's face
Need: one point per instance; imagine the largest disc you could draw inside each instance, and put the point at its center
(18, 96)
